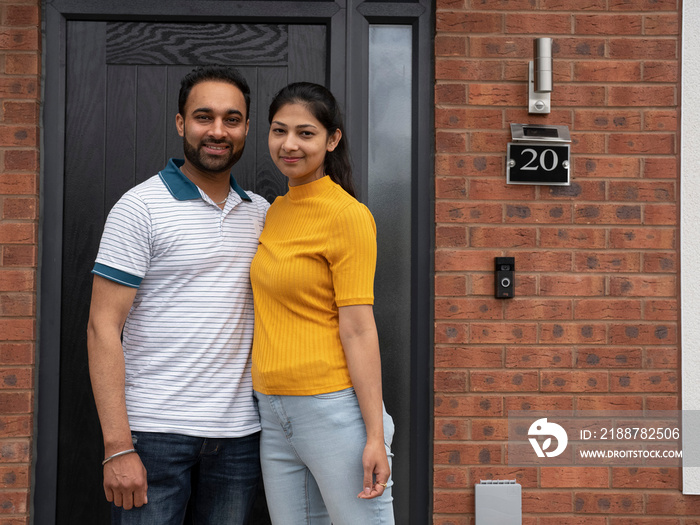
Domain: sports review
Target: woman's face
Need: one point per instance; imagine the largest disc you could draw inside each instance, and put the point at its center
(298, 144)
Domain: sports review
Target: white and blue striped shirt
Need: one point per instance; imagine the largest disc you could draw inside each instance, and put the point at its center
(188, 335)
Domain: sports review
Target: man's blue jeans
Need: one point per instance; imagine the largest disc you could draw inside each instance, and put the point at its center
(220, 475)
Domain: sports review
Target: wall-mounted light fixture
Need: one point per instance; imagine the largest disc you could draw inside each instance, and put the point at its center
(540, 76)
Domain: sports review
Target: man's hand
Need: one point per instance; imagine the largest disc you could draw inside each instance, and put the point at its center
(376, 469)
(125, 481)
(124, 476)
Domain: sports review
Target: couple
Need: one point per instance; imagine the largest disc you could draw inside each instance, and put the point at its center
(171, 326)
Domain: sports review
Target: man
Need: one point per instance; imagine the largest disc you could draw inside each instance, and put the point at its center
(175, 396)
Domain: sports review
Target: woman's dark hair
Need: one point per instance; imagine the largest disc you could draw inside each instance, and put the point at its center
(212, 73)
(322, 105)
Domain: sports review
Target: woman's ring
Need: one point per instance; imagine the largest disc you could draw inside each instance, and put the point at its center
(382, 484)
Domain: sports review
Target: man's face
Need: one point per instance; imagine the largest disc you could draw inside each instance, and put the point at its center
(214, 127)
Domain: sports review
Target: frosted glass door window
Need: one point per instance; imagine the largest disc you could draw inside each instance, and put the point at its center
(389, 183)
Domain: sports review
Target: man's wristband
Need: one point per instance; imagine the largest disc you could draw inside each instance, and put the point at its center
(122, 453)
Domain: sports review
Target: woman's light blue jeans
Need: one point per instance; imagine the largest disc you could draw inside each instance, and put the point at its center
(311, 455)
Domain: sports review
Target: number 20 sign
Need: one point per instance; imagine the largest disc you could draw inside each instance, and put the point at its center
(543, 163)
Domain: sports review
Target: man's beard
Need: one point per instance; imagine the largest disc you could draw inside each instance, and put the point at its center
(210, 163)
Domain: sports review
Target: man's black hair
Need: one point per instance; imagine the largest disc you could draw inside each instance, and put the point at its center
(212, 73)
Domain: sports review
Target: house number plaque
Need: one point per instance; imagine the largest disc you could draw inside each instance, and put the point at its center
(542, 163)
(539, 154)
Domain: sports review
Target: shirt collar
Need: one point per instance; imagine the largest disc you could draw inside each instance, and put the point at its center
(182, 188)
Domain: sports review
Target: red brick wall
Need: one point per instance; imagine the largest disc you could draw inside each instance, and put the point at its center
(20, 62)
(594, 323)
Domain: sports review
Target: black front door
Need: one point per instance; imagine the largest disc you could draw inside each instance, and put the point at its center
(111, 75)
(122, 81)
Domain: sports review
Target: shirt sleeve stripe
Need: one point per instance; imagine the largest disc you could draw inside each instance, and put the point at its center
(117, 275)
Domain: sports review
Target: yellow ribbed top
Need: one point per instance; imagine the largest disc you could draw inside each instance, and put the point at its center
(317, 252)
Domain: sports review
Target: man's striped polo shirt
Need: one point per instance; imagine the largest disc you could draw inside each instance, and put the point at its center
(188, 335)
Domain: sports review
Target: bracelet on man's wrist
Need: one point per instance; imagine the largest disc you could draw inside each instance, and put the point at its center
(122, 453)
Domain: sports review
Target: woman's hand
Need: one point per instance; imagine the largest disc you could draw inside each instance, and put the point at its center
(376, 468)
(358, 333)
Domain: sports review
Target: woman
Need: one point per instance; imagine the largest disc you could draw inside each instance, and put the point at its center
(316, 363)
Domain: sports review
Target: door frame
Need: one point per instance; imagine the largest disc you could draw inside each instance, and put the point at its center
(348, 25)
